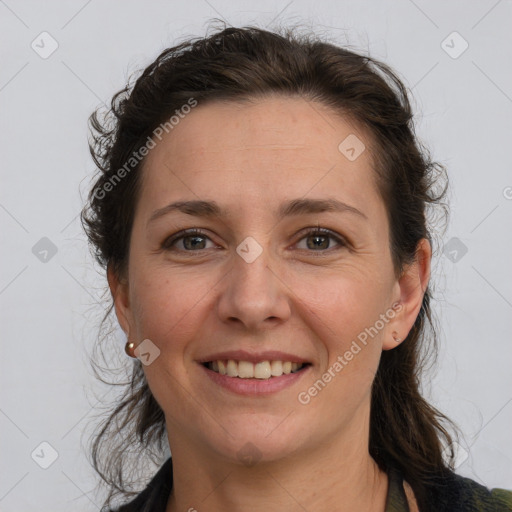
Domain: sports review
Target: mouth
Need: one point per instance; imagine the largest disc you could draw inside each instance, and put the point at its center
(263, 370)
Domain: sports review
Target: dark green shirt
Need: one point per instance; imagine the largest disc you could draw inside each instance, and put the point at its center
(454, 494)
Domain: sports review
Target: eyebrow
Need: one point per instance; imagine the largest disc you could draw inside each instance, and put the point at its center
(200, 208)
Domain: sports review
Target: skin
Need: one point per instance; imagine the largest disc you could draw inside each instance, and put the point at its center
(296, 298)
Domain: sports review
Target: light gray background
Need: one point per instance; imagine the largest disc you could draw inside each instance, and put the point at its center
(50, 310)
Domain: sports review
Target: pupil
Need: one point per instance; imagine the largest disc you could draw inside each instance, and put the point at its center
(323, 245)
(195, 242)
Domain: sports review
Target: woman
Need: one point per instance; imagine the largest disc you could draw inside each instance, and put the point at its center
(261, 215)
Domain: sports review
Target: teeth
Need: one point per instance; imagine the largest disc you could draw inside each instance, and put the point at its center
(247, 370)
(232, 368)
(262, 370)
(276, 368)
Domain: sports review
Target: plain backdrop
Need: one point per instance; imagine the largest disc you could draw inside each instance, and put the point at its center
(454, 57)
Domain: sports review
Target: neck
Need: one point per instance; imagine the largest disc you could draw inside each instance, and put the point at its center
(340, 475)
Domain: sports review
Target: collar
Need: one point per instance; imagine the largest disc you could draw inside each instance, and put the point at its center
(396, 500)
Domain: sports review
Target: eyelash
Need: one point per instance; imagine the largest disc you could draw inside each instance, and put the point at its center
(168, 242)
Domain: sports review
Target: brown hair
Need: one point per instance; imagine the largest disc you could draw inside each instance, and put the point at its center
(406, 432)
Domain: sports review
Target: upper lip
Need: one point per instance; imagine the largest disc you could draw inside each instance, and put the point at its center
(253, 357)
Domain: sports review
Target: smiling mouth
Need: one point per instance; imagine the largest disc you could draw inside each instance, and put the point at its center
(247, 370)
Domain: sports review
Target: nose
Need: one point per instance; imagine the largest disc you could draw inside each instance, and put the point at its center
(254, 295)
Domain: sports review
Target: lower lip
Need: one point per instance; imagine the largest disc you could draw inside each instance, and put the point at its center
(255, 387)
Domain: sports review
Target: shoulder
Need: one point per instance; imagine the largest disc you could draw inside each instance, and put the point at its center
(502, 498)
(156, 494)
(455, 493)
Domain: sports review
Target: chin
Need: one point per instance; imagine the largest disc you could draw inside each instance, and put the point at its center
(257, 438)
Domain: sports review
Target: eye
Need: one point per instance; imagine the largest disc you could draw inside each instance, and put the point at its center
(194, 240)
(318, 239)
(190, 241)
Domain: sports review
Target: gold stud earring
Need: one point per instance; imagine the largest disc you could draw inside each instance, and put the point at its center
(129, 349)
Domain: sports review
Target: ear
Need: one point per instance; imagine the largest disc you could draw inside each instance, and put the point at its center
(119, 290)
(411, 287)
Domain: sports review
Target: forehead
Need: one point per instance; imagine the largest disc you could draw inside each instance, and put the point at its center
(271, 148)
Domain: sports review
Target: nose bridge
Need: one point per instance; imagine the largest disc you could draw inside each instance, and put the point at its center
(253, 293)
(252, 268)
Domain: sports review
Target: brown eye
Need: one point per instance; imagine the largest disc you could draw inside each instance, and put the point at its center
(319, 239)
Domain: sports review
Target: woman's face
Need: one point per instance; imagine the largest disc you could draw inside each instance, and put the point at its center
(259, 282)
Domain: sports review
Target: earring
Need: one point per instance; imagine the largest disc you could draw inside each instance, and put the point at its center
(129, 349)
(396, 338)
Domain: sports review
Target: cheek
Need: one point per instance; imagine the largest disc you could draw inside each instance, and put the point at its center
(160, 302)
(344, 314)
(342, 324)
(170, 308)
(169, 304)
(348, 300)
